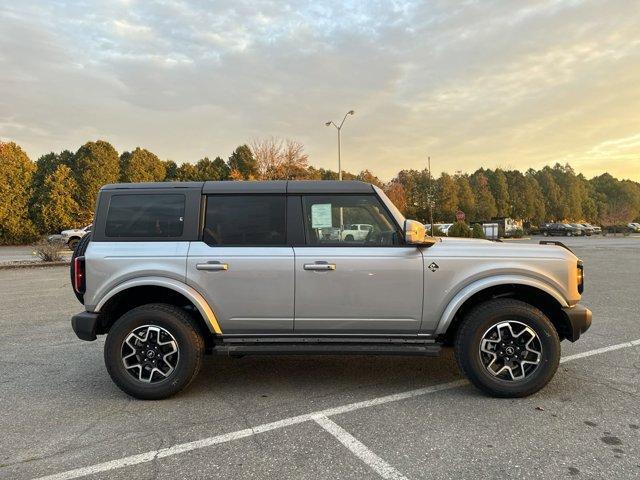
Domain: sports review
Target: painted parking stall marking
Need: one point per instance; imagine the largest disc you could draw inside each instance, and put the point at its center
(320, 417)
(356, 447)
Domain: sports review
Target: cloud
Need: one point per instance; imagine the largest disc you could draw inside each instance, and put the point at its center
(472, 84)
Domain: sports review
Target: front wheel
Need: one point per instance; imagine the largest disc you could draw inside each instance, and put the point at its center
(507, 348)
(153, 351)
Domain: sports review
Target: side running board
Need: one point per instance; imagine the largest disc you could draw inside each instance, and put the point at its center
(333, 346)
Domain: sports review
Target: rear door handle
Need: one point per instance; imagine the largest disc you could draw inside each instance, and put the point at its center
(212, 266)
(320, 266)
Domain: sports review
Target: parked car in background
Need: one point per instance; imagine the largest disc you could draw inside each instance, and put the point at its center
(559, 229)
(70, 237)
(582, 229)
(595, 230)
(508, 227)
(357, 232)
(444, 227)
(634, 227)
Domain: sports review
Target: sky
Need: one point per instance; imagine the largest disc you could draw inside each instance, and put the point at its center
(510, 84)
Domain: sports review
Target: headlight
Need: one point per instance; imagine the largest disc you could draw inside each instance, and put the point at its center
(580, 276)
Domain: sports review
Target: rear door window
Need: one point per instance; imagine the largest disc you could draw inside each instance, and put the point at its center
(145, 216)
(245, 220)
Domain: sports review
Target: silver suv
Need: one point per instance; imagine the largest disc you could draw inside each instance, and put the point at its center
(172, 271)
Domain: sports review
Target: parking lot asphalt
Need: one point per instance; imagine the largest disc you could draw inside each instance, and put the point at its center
(22, 253)
(320, 417)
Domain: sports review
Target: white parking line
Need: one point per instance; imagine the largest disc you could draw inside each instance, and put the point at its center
(360, 450)
(228, 437)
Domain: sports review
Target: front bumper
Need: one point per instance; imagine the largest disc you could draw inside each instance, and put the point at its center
(579, 321)
(85, 324)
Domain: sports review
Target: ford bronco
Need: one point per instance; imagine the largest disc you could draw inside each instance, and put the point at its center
(174, 271)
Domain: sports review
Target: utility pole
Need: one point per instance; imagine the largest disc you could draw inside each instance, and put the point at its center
(339, 128)
(430, 193)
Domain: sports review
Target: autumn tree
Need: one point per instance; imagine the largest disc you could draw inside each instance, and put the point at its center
(94, 165)
(16, 172)
(397, 195)
(141, 166)
(367, 176)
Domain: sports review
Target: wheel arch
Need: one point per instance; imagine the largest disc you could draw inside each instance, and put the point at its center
(529, 290)
(140, 291)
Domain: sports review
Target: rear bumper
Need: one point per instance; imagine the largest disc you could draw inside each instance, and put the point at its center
(85, 324)
(579, 318)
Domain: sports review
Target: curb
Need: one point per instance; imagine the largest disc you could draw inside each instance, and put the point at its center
(13, 266)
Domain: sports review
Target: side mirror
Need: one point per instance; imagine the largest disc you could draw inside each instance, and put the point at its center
(415, 233)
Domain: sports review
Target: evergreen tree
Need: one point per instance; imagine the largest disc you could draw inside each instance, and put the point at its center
(59, 208)
(212, 170)
(554, 205)
(172, 171)
(500, 191)
(485, 203)
(141, 166)
(45, 166)
(16, 172)
(94, 165)
(466, 199)
(243, 162)
(447, 198)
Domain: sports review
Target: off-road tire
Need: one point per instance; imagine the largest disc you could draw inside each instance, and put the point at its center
(190, 345)
(483, 317)
(79, 251)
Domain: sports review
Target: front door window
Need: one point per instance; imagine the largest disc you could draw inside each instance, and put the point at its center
(353, 220)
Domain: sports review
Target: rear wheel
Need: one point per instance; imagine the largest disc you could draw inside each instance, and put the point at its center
(153, 351)
(507, 348)
(73, 243)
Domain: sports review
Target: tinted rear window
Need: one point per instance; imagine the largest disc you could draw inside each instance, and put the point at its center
(160, 216)
(245, 220)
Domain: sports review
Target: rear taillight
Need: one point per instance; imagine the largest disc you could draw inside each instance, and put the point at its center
(79, 278)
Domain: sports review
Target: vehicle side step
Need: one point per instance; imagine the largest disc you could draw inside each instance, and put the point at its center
(327, 348)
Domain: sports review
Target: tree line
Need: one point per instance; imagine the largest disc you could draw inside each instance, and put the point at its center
(59, 190)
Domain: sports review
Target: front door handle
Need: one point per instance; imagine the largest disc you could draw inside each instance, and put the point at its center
(212, 266)
(320, 266)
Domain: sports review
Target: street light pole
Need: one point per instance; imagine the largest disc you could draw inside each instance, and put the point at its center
(430, 194)
(339, 128)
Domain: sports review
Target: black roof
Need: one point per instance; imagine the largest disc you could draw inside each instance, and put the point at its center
(271, 186)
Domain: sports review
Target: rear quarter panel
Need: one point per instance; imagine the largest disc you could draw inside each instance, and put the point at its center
(110, 263)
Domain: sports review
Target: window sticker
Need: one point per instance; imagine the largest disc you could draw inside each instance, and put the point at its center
(321, 215)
